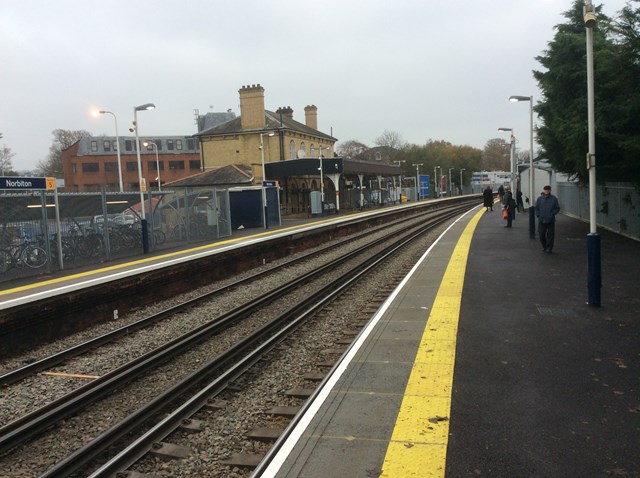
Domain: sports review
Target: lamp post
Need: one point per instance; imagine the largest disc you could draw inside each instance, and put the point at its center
(594, 277)
(103, 112)
(141, 183)
(512, 154)
(399, 180)
(532, 195)
(264, 177)
(461, 169)
(450, 182)
(146, 143)
(418, 181)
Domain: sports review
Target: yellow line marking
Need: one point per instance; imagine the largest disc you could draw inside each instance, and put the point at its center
(72, 375)
(418, 446)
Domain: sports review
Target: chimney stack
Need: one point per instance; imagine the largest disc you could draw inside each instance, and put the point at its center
(252, 107)
(286, 111)
(311, 116)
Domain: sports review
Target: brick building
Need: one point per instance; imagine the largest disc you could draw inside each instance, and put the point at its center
(91, 163)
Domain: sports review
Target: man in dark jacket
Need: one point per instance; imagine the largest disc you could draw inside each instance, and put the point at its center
(547, 207)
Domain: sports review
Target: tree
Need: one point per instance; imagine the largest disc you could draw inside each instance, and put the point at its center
(495, 156)
(563, 135)
(351, 148)
(390, 144)
(6, 166)
(62, 139)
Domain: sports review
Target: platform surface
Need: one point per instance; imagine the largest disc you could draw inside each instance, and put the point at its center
(539, 383)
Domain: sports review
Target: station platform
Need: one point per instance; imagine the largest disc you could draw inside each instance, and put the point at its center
(486, 361)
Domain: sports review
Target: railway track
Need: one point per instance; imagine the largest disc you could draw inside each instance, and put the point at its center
(217, 373)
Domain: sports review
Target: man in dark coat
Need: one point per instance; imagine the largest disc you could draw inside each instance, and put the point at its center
(547, 206)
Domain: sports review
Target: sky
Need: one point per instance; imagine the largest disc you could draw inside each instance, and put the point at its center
(425, 69)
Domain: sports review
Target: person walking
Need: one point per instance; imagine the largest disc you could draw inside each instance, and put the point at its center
(519, 203)
(501, 192)
(509, 205)
(547, 206)
(487, 198)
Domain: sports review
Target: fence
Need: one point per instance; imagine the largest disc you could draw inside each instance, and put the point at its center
(617, 206)
(43, 232)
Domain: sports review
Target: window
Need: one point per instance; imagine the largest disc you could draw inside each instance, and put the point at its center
(303, 150)
(94, 146)
(90, 167)
(170, 144)
(176, 164)
(149, 146)
(292, 150)
(312, 151)
(153, 166)
(128, 145)
(115, 145)
(190, 144)
(111, 166)
(194, 164)
(132, 166)
(178, 144)
(106, 145)
(158, 143)
(74, 168)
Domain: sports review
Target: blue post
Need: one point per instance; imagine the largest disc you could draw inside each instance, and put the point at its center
(594, 277)
(532, 222)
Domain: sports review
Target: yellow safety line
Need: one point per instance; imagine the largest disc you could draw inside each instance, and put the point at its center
(418, 446)
(72, 375)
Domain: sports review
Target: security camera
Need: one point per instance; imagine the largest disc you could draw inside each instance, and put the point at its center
(132, 129)
(589, 16)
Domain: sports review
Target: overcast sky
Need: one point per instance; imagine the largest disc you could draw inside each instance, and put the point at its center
(426, 69)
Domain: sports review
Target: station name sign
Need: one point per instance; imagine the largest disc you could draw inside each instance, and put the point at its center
(14, 183)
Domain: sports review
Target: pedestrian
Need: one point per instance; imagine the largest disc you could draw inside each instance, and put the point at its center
(501, 192)
(519, 203)
(547, 206)
(508, 205)
(487, 198)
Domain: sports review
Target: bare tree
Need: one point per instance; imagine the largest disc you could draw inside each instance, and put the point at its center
(391, 140)
(62, 139)
(351, 148)
(6, 166)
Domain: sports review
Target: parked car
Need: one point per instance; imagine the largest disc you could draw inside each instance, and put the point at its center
(124, 219)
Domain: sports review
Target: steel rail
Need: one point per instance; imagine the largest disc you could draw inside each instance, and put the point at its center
(62, 356)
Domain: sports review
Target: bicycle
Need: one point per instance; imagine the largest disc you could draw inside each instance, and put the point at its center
(23, 253)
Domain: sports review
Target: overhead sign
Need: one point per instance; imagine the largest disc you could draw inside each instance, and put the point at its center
(17, 184)
(269, 184)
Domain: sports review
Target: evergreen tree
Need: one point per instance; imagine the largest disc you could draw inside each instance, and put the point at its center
(563, 135)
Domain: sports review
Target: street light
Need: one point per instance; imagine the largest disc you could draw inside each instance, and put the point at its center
(146, 143)
(142, 185)
(532, 195)
(400, 180)
(418, 181)
(450, 182)
(461, 169)
(594, 277)
(264, 177)
(512, 154)
(103, 112)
